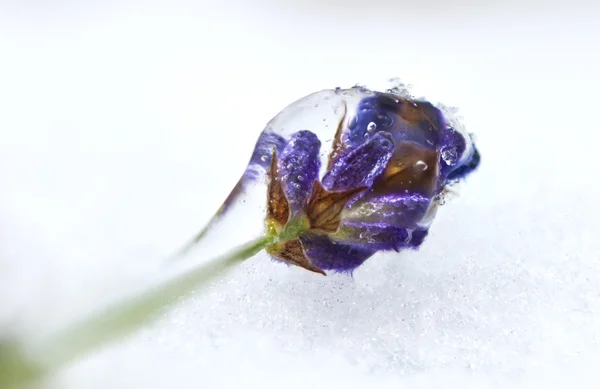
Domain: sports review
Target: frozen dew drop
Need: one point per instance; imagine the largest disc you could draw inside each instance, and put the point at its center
(371, 127)
(385, 120)
(421, 165)
(264, 158)
(450, 155)
(352, 123)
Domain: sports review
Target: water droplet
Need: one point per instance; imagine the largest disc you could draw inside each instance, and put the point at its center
(264, 158)
(371, 127)
(440, 199)
(352, 123)
(300, 178)
(421, 165)
(385, 120)
(450, 155)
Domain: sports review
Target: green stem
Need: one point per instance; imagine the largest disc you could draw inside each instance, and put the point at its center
(115, 322)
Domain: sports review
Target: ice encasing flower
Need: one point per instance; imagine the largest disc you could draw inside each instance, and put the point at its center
(351, 172)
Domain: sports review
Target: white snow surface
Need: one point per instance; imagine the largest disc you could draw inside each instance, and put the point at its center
(123, 126)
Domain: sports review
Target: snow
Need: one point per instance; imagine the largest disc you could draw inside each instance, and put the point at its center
(124, 126)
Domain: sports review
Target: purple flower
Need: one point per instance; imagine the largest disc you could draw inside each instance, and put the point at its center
(389, 161)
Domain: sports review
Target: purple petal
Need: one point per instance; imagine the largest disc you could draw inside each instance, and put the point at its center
(458, 155)
(452, 146)
(298, 168)
(417, 238)
(376, 236)
(406, 120)
(267, 143)
(405, 210)
(467, 167)
(330, 255)
(361, 165)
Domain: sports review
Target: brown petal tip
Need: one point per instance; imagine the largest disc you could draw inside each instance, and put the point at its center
(278, 209)
(293, 253)
(324, 208)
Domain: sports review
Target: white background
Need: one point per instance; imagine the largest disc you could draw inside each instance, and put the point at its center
(123, 126)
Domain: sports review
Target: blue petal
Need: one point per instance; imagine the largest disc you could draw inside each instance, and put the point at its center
(406, 210)
(362, 165)
(405, 120)
(298, 168)
(330, 255)
(462, 170)
(375, 236)
(267, 143)
(417, 238)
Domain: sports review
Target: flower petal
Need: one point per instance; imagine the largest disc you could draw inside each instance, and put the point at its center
(298, 168)
(292, 252)
(325, 208)
(329, 255)
(267, 143)
(471, 164)
(361, 165)
(405, 119)
(417, 238)
(406, 210)
(278, 209)
(376, 236)
(412, 169)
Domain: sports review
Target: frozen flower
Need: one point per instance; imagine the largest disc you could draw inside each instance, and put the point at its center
(337, 194)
